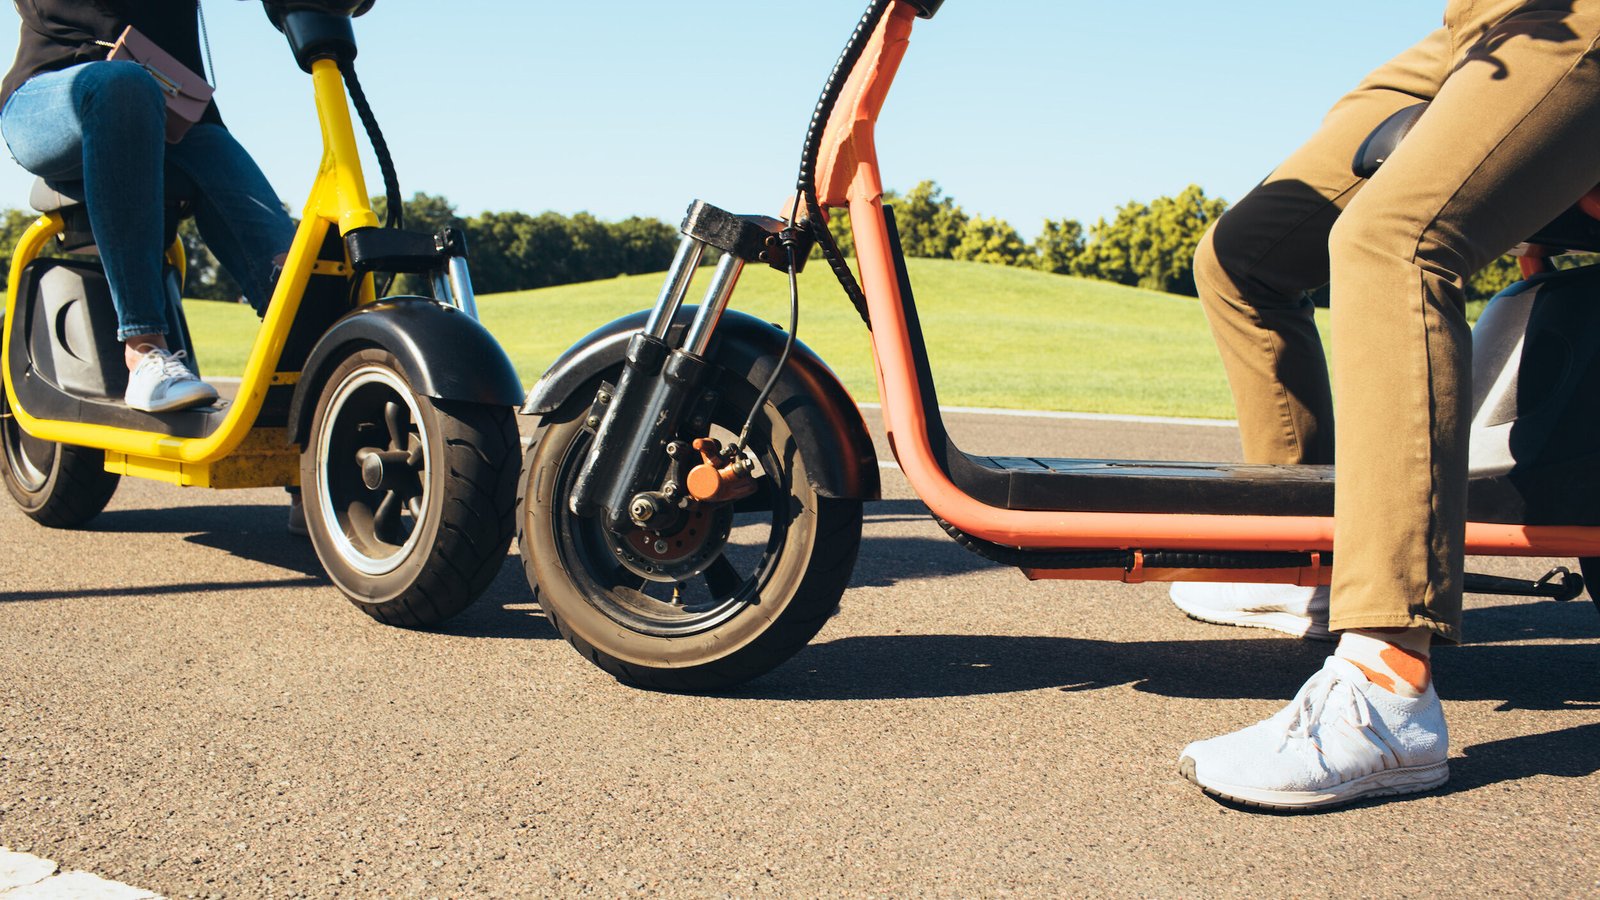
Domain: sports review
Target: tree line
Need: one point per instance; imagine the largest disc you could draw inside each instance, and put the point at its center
(1147, 245)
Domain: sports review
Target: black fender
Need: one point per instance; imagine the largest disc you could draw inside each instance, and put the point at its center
(817, 407)
(443, 353)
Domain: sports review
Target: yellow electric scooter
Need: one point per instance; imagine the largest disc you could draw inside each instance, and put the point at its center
(394, 415)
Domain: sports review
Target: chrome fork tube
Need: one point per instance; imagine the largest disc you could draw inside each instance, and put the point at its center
(679, 277)
(461, 287)
(716, 302)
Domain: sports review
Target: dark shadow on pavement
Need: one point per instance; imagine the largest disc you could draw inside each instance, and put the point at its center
(506, 610)
(157, 590)
(920, 666)
(259, 518)
(1568, 753)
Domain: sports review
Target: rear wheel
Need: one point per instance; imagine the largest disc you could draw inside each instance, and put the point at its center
(57, 485)
(728, 595)
(410, 502)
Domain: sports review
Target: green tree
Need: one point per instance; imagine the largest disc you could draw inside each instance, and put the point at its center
(931, 224)
(206, 278)
(1151, 245)
(1060, 244)
(643, 245)
(13, 222)
(1492, 279)
(991, 241)
(499, 243)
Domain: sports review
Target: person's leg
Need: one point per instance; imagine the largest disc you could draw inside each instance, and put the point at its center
(104, 123)
(239, 215)
(1505, 147)
(1253, 269)
(242, 222)
(1255, 265)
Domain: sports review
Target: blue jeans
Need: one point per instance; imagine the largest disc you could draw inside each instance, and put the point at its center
(104, 124)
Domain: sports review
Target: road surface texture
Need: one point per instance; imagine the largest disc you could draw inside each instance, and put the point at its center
(188, 706)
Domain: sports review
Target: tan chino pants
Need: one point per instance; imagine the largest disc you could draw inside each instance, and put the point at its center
(1512, 138)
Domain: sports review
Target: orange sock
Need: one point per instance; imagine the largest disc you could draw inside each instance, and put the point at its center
(1393, 659)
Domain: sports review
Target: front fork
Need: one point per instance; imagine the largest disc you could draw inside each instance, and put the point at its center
(626, 475)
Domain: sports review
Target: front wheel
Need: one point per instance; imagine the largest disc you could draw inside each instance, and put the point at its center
(57, 485)
(410, 502)
(731, 593)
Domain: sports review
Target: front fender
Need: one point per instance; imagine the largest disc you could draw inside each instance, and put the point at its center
(443, 353)
(841, 461)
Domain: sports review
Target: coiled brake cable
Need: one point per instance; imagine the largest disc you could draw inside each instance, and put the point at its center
(394, 213)
(394, 216)
(807, 181)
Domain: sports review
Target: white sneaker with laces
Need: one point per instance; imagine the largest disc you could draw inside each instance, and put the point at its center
(1340, 739)
(163, 382)
(1289, 608)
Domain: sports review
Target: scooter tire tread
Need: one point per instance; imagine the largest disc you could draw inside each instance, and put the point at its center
(472, 545)
(814, 600)
(76, 491)
(474, 475)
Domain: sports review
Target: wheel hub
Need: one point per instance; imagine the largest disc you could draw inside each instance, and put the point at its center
(681, 553)
(384, 470)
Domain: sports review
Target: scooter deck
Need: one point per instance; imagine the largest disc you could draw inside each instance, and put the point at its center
(1211, 488)
(47, 401)
(1201, 488)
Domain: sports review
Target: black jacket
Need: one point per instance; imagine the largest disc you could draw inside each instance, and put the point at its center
(57, 34)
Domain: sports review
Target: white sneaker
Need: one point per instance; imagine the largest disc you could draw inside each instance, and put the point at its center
(1342, 738)
(163, 382)
(1289, 608)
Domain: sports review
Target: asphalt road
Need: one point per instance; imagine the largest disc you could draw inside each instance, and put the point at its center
(187, 706)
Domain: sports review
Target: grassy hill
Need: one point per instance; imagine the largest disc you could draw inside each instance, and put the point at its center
(997, 336)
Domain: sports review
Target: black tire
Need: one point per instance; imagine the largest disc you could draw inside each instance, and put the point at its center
(758, 603)
(1590, 568)
(57, 485)
(427, 540)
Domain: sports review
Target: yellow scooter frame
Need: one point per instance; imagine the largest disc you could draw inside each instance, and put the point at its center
(338, 200)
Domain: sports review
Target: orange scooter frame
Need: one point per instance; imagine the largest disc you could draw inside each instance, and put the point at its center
(693, 498)
(848, 176)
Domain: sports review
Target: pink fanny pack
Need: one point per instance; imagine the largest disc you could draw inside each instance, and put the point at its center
(188, 94)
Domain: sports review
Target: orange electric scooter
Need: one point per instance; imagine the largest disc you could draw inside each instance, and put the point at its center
(691, 507)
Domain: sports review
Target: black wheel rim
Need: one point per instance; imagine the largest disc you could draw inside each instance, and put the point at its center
(29, 459)
(729, 585)
(372, 470)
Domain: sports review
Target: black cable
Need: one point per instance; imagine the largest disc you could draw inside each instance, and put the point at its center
(807, 181)
(395, 215)
(789, 242)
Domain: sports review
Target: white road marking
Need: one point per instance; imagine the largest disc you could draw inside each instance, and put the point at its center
(24, 876)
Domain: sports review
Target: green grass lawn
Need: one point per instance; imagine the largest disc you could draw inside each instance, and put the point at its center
(998, 337)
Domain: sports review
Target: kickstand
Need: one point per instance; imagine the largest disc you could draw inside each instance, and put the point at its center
(1560, 584)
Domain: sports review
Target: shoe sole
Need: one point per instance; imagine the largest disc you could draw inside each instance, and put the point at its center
(176, 406)
(1388, 783)
(1282, 622)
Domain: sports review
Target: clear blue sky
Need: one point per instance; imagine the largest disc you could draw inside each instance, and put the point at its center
(1022, 109)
